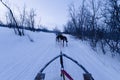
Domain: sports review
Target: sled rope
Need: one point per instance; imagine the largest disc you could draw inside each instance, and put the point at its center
(63, 72)
(66, 74)
(62, 66)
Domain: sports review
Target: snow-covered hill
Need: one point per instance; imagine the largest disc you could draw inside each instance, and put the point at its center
(21, 59)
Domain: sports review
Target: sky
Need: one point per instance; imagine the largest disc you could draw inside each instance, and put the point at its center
(50, 13)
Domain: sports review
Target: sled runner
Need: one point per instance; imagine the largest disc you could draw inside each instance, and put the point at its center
(40, 76)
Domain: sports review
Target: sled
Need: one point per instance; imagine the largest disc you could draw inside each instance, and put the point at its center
(87, 76)
(40, 76)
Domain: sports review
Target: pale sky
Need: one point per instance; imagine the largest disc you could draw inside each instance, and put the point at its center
(51, 12)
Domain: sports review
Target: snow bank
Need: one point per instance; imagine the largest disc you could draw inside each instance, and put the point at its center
(21, 59)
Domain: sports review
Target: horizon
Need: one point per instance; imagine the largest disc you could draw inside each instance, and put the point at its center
(50, 14)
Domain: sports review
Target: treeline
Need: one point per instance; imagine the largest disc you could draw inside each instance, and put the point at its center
(26, 28)
(97, 21)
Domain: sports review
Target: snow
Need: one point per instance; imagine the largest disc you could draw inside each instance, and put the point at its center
(21, 59)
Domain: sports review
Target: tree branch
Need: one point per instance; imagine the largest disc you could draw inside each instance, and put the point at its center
(19, 33)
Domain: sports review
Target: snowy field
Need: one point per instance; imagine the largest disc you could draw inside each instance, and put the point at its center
(21, 59)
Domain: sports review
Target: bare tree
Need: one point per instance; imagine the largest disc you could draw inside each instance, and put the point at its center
(111, 16)
(31, 19)
(73, 16)
(9, 20)
(23, 18)
(100, 24)
(95, 7)
(17, 30)
(80, 19)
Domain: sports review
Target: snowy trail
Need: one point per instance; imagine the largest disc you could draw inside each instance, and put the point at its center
(87, 58)
(21, 60)
(24, 63)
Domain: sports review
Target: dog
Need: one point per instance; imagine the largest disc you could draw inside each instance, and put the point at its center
(62, 38)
